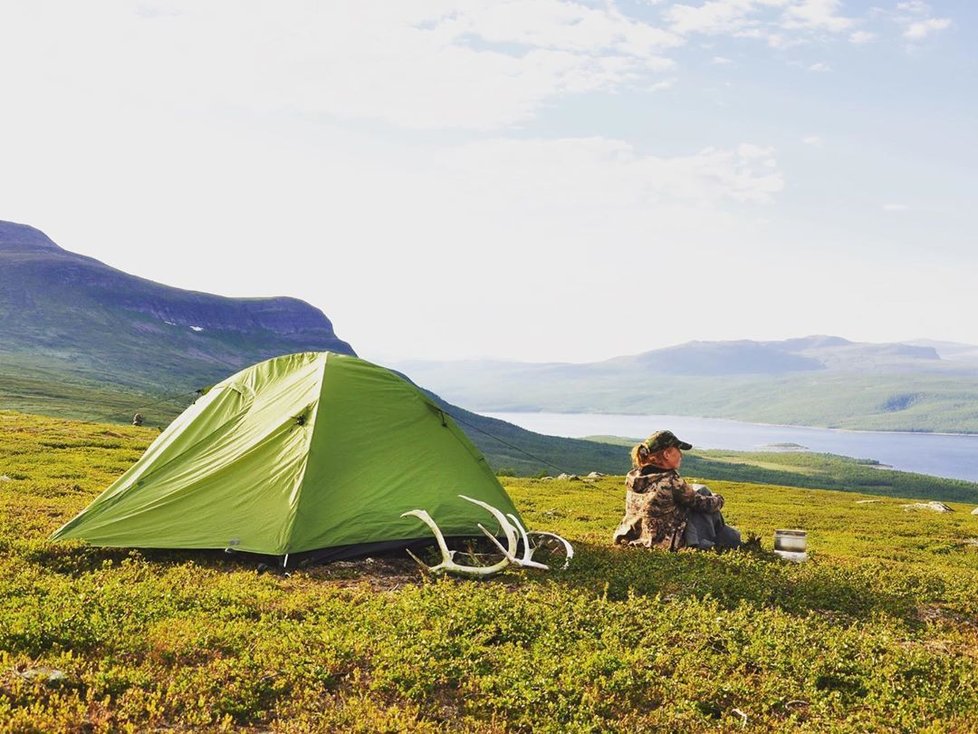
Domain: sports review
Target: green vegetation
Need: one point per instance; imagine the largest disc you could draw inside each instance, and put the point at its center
(877, 632)
(509, 449)
(31, 389)
(69, 314)
(827, 471)
(881, 401)
(27, 387)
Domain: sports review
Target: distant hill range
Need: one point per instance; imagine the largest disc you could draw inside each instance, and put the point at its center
(816, 381)
(81, 339)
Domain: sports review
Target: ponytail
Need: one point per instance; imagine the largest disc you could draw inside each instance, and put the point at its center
(641, 456)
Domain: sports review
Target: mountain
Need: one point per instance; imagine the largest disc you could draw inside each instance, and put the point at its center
(720, 358)
(824, 381)
(81, 339)
(953, 351)
(806, 354)
(75, 314)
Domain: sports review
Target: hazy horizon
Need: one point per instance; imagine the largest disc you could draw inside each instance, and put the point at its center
(918, 341)
(923, 340)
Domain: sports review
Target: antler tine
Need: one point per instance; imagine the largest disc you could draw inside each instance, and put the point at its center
(504, 525)
(448, 557)
(527, 559)
(421, 563)
(567, 546)
(495, 541)
(510, 526)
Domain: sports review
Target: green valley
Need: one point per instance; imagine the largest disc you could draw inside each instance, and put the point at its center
(831, 384)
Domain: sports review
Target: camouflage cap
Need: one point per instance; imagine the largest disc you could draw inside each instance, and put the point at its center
(661, 440)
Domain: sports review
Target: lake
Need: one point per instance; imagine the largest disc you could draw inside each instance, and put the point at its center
(939, 454)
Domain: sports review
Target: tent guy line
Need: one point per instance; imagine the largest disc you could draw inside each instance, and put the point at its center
(506, 443)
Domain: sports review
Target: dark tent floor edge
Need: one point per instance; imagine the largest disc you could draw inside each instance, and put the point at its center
(354, 551)
(361, 550)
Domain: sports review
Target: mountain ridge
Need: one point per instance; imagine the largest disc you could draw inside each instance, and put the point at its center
(65, 307)
(81, 339)
(14, 235)
(820, 380)
(39, 255)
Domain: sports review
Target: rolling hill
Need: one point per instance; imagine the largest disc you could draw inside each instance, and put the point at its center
(81, 339)
(822, 381)
(72, 314)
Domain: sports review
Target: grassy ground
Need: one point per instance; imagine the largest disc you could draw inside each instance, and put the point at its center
(878, 632)
(27, 389)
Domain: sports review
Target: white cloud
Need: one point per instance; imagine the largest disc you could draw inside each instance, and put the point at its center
(721, 60)
(597, 174)
(713, 18)
(481, 65)
(820, 66)
(895, 207)
(786, 23)
(918, 30)
(816, 15)
(917, 7)
(812, 140)
(917, 21)
(568, 26)
(860, 37)
(477, 65)
(769, 20)
(661, 86)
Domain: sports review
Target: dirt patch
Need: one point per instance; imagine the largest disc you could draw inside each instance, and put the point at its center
(381, 574)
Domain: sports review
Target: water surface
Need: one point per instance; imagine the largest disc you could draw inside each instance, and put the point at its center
(939, 454)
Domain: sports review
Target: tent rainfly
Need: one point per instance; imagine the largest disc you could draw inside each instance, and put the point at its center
(316, 454)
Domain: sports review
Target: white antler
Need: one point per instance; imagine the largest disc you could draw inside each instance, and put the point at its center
(510, 527)
(509, 552)
(528, 548)
(508, 530)
(527, 559)
(448, 557)
(567, 546)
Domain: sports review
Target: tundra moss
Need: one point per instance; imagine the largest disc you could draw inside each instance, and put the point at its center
(877, 632)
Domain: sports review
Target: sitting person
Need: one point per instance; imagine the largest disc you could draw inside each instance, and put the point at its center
(662, 510)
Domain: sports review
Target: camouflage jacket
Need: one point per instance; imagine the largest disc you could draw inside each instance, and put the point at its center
(656, 506)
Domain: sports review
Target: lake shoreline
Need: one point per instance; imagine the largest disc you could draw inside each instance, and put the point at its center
(493, 413)
(946, 455)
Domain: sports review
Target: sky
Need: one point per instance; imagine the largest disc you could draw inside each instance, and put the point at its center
(538, 180)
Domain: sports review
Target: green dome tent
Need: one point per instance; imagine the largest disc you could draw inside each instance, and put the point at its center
(315, 453)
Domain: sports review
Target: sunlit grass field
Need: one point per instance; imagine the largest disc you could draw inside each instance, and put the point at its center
(877, 632)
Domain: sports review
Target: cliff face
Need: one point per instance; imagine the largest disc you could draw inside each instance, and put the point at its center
(78, 313)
